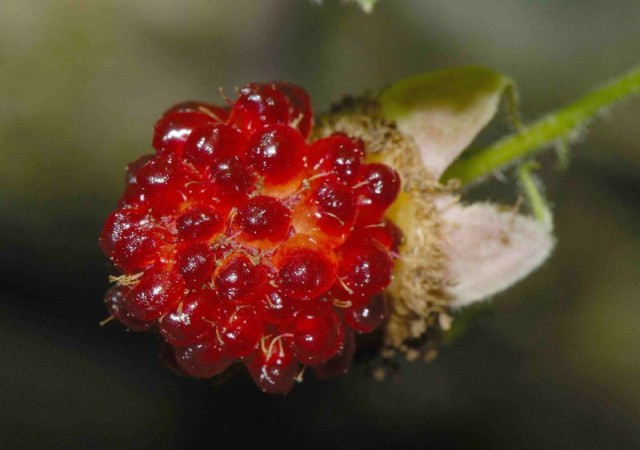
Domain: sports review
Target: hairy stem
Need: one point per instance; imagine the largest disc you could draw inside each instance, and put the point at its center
(536, 200)
(556, 126)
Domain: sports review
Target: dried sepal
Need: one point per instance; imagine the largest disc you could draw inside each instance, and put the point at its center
(453, 255)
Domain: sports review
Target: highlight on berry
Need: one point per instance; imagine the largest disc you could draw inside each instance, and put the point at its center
(242, 241)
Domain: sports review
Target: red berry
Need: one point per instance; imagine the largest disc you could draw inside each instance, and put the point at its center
(263, 222)
(195, 263)
(307, 267)
(221, 310)
(191, 321)
(155, 295)
(277, 154)
(173, 129)
(300, 113)
(204, 359)
(233, 179)
(113, 301)
(274, 368)
(366, 315)
(317, 334)
(241, 331)
(257, 106)
(134, 167)
(329, 211)
(133, 195)
(378, 187)
(163, 179)
(365, 268)
(339, 363)
(117, 223)
(277, 308)
(209, 144)
(239, 280)
(139, 248)
(386, 232)
(200, 223)
(337, 155)
(239, 234)
(132, 240)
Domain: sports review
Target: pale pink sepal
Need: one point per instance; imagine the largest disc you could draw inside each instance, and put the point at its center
(489, 249)
(443, 134)
(444, 111)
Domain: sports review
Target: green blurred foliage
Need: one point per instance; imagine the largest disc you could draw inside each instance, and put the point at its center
(555, 364)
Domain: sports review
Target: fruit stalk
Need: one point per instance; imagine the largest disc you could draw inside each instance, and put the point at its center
(562, 124)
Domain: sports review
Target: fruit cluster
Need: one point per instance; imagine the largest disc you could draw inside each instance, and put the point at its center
(240, 241)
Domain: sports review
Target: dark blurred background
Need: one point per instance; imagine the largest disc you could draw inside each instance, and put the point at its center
(554, 363)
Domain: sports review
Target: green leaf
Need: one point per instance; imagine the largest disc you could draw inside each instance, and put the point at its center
(443, 111)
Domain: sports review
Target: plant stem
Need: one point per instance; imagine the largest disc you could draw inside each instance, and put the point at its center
(558, 125)
(536, 200)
